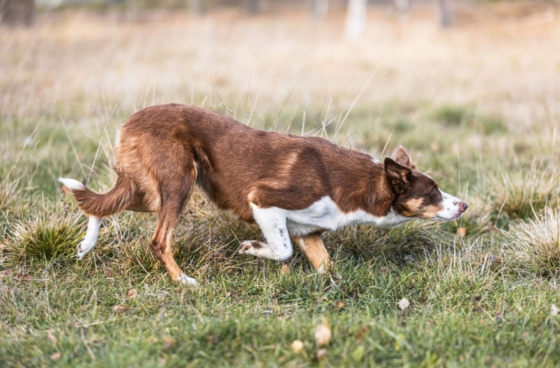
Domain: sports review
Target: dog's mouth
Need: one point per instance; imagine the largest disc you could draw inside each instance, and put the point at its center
(459, 208)
(458, 215)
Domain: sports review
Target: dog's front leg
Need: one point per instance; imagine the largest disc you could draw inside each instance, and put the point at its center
(272, 222)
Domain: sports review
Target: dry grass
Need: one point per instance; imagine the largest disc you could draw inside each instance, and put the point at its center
(269, 63)
(534, 245)
(48, 235)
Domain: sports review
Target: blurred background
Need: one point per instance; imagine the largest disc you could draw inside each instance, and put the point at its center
(448, 79)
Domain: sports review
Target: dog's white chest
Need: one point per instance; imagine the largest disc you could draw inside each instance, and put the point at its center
(325, 215)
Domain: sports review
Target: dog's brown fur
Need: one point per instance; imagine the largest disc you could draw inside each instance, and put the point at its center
(164, 150)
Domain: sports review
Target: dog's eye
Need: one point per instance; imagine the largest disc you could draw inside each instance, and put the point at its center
(434, 192)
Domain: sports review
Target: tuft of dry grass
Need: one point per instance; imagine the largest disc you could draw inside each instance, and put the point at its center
(534, 245)
(518, 192)
(42, 236)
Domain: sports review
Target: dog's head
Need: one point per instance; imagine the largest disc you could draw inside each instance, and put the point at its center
(416, 194)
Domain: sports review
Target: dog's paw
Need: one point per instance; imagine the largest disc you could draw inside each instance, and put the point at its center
(249, 247)
(184, 279)
(83, 248)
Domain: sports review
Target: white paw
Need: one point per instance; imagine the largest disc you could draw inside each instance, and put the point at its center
(84, 248)
(187, 280)
(249, 247)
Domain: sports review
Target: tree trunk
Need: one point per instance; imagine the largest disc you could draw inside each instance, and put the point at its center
(356, 18)
(445, 13)
(14, 12)
(320, 9)
(251, 6)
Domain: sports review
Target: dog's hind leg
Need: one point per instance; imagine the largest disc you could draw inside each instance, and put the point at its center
(315, 251)
(88, 243)
(97, 206)
(272, 222)
(173, 200)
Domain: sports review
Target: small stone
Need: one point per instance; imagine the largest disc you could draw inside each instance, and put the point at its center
(322, 334)
(403, 304)
(297, 346)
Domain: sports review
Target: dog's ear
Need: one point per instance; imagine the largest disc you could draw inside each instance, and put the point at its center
(398, 176)
(403, 158)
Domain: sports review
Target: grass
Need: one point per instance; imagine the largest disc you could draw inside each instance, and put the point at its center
(536, 243)
(484, 126)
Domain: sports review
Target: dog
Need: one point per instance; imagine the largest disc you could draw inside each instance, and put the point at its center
(291, 186)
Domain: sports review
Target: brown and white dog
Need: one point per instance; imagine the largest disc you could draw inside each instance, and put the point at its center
(289, 185)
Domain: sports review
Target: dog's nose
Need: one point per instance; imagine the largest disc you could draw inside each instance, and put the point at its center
(463, 207)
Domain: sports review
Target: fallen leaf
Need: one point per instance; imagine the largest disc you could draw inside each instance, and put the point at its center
(495, 260)
(478, 309)
(554, 310)
(56, 356)
(462, 232)
(361, 333)
(24, 277)
(322, 334)
(297, 346)
(120, 309)
(403, 304)
(52, 338)
(168, 342)
(339, 305)
(131, 293)
(284, 270)
(321, 354)
(358, 353)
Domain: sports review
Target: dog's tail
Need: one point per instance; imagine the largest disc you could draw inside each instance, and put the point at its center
(102, 205)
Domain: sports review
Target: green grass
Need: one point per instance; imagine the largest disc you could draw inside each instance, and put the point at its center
(481, 300)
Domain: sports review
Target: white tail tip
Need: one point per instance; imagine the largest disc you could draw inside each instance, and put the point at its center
(72, 184)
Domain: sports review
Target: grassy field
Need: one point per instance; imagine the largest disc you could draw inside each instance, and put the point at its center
(477, 107)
